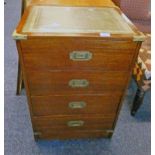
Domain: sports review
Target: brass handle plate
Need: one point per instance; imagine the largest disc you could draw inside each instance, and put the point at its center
(78, 83)
(77, 105)
(75, 123)
(80, 55)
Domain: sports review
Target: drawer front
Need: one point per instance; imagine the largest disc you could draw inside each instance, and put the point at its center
(74, 122)
(60, 82)
(75, 43)
(75, 104)
(53, 134)
(80, 53)
(102, 59)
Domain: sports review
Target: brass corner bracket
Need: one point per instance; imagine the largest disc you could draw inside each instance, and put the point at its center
(140, 37)
(17, 36)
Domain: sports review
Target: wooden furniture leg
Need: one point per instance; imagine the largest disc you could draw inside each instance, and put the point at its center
(20, 83)
(137, 101)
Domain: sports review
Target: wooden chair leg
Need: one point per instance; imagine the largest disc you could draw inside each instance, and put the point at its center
(138, 100)
(20, 83)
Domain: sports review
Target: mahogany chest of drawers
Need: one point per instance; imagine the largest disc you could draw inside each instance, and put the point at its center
(76, 62)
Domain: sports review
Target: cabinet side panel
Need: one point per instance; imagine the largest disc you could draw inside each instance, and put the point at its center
(18, 44)
(128, 80)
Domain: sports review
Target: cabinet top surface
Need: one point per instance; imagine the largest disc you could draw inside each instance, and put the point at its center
(56, 19)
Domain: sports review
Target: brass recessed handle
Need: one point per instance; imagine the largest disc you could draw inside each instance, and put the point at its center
(78, 83)
(75, 123)
(77, 105)
(80, 55)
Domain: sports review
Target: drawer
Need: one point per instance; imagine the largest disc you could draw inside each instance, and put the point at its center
(75, 104)
(48, 134)
(101, 59)
(67, 53)
(73, 122)
(76, 43)
(78, 82)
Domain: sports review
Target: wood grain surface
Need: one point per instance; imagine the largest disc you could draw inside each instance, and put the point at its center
(60, 104)
(57, 82)
(64, 134)
(74, 3)
(60, 123)
(104, 57)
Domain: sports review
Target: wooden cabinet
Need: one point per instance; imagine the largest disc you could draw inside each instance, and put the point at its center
(76, 62)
